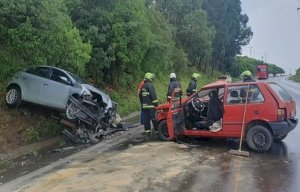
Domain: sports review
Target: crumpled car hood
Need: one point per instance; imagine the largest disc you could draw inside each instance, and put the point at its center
(106, 99)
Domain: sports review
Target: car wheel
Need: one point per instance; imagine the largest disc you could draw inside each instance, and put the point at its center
(279, 139)
(71, 111)
(259, 138)
(163, 132)
(13, 96)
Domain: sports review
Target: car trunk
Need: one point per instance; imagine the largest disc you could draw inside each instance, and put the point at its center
(283, 99)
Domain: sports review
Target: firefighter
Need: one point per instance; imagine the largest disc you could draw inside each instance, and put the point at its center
(193, 84)
(149, 102)
(246, 76)
(174, 84)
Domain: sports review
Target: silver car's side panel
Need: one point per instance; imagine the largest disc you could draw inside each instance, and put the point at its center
(54, 94)
(31, 87)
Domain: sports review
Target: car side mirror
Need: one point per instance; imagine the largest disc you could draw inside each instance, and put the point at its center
(65, 80)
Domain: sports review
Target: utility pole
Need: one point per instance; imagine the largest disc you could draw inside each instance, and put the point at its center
(265, 57)
(250, 51)
(262, 58)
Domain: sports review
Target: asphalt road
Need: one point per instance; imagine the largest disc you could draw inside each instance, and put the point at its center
(133, 163)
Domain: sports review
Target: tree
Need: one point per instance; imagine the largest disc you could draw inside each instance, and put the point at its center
(40, 32)
(192, 31)
(274, 69)
(196, 36)
(232, 31)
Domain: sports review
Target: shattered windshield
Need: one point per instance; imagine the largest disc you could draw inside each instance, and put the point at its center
(77, 78)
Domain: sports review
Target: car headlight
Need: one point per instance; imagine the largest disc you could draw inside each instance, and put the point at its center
(86, 94)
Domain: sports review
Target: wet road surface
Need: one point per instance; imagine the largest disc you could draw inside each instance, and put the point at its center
(135, 163)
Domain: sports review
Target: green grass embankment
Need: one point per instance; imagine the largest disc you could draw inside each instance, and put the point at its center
(295, 78)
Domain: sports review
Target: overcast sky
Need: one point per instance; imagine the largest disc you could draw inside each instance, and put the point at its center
(276, 28)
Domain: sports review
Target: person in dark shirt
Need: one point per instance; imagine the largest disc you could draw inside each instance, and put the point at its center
(192, 88)
(149, 101)
(246, 76)
(174, 84)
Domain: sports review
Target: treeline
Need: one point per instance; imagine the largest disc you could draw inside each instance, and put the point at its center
(114, 42)
(242, 63)
(296, 77)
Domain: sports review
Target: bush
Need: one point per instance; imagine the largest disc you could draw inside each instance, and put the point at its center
(42, 131)
(32, 135)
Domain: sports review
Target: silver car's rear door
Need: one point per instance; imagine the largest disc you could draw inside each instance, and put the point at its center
(56, 90)
(33, 80)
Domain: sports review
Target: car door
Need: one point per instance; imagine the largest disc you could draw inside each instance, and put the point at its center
(234, 108)
(56, 90)
(33, 80)
(237, 106)
(175, 118)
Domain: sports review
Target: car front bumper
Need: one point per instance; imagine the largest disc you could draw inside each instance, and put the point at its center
(282, 128)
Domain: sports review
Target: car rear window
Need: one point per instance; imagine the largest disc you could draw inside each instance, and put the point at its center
(280, 92)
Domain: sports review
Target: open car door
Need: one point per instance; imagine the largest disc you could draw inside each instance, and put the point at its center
(175, 118)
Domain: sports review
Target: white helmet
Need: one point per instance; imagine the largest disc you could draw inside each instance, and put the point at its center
(172, 75)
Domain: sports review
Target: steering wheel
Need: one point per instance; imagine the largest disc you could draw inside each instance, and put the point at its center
(197, 104)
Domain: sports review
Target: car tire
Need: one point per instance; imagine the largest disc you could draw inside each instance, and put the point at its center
(162, 129)
(13, 96)
(259, 138)
(279, 139)
(70, 114)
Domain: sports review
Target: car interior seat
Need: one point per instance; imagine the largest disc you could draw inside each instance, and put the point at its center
(235, 97)
(214, 112)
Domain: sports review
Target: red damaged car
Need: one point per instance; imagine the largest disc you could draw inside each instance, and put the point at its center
(220, 109)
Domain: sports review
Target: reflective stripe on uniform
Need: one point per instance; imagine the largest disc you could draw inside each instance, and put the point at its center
(148, 106)
(154, 101)
(145, 93)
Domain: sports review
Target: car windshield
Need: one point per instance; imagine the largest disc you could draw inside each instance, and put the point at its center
(76, 78)
(280, 92)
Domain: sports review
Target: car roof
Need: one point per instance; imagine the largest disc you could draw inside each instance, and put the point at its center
(223, 83)
(218, 83)
(53, 68)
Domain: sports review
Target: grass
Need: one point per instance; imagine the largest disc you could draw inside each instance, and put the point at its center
(42, 131)
(295, 78)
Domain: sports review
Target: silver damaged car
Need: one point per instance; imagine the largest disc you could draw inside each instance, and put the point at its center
(53, 87)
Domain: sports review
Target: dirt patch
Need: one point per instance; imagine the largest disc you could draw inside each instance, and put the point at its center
(14, 123)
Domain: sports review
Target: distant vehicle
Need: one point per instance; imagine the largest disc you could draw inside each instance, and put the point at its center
(52, 87)
(262, 71)
(270, 114)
